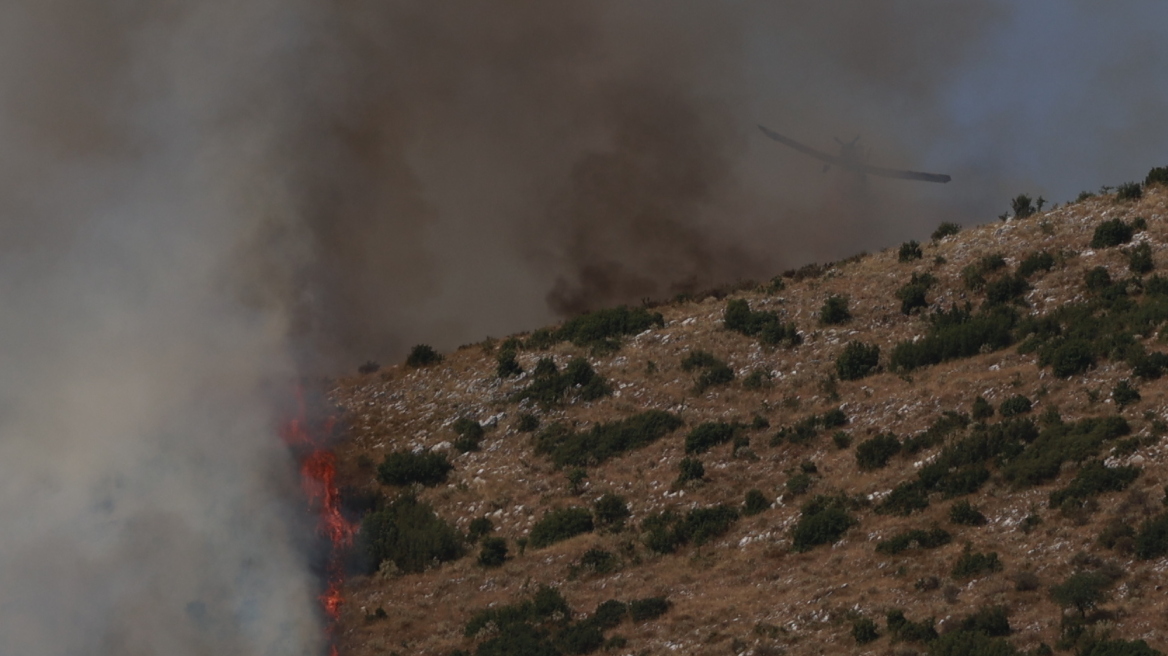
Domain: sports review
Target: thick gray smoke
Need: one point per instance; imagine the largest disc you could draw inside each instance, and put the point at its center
(199, 199)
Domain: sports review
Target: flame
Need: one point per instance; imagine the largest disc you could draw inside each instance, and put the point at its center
(318, 473)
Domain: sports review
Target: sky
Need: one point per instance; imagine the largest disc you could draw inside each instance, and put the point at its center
(202, 202)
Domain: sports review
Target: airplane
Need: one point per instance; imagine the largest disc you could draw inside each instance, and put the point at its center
(849, 159)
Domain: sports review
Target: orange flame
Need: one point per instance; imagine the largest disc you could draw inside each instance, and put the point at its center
(318, 479)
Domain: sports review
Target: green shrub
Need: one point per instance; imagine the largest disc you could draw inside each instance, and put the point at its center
(799, 484)
(558, 525)
(1158, 175)
(604, 441)
(841, 439)
(757, 379)
(992, 621)
(930, 539)
(765, 325)
(604, 327)
(405, 468)
(1006, 289)
(972, 563)
(1152, 540)
(1014, 406)
(982, 409)
(1092, 479)
(470, 434)
(1117, 532)
(1023, 206)
(1119, 648)
(707, 435)
(963, 512)
(954, 334)
(936, 433)
(1043, 458)
(755, 503)
(506, 366)
(1124, 394)
(1070, 358)
(370, 367)
(823, 520)
(1129, 191)
(909, 251)
(479, 527)
(493, 552)
(905, 499)
(857, 360)
(610, 614)
(649, 608)
(1035, 262)
(549, 385)
(597, 561)
(408, 533)
(668, 531)
(422, 355)
(864, 631)
(1139, 258)
(713, 377)
(875, 452)
(528, 423)
(690, 469)
(962, 643)
(611, 511)
(1082, 590)
(700, 360)
(912, 294)
(904, 630)
(1112, 232)
(835, 311)
(944, 230)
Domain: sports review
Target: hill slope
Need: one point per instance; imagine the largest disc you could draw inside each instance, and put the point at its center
(747, 589)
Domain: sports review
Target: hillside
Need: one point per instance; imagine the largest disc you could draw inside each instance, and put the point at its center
(1059, 333)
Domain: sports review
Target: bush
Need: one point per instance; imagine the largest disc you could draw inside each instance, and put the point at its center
(972, 563)
(823, 520)
(799, 484)
(973, 276)
(611, 510)
(1158, 175)
(1071, 358)
(690, 469)
(422, 355)
(610, 614)
(478, 528)
(1042, 460)
(713, 377)
(549, 385)
(992, 621)
(857, 360)
(909, 251)
(1152, 540)
(1082, 590)
(1124, 394)
(408, 533)
(1023, 206)
(649, 608)
(944, 230)
(1006, 289)
(762, 324)
(864, 631)
(905, 499)
(912, 295)
(930, 539)
(1092, 479)
(700, 360)
(667, 531)
(604, 327)
(470, 434)
(1035, 262)
(528, 423)
(758, 379)
(875, 452)
(841, 439)
(982, 409)
(558, 525)
(370, 367)
(1139, 259)
(1014, 406)
(604, 440)
(956, 333)
(405, 468)
(707, 435)
(904, 630)
(1119, 648)
(965, 514)
(1111, 233)
(493, 553)
(835, 311)
(755, 503)
(1129, 191)
(506, 366)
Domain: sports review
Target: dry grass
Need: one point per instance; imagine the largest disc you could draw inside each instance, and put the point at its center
(748, 586)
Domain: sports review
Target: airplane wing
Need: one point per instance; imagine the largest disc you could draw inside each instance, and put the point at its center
(854, 166)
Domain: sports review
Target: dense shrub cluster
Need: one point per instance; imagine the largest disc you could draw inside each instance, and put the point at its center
(409, 534)
(493, 552)
(611, 511)
(604, 328)
(912, 294)
(549, 385)
(974, 275)
(763, 324)
(406, 467)
(422, 355)
(690, 469)
(1043, 458)
(603, 441)
(981, 409)
(1112, 232)
(546, 626)
(944, 230)
(875, 452)
(956, 333)
(709, 434)
(1081, 590)
(1023, 206)
(1014, 406)
(807, 428)
(470, 434)
(712, 371)
(506, 365)
(835, 311)
(1139, 258)
(1152, 539)
(943, 426)
(755, 503)
(668, 531)
(857, 360)
(823, 520)
(1158, 175)
(1092, 479)
(930, 539)
(1006, 289)
(864, 630)
(973, 563)
(904, 630)
(1129, 191)
(1124, 394)
(558, 525)
(909, 251)
(1035, 262)
(963, 512)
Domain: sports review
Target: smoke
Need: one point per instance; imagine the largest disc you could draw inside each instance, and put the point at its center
(200, 200)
